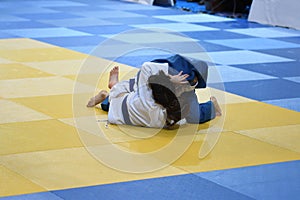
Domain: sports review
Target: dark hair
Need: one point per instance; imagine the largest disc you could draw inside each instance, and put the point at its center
(163, 91)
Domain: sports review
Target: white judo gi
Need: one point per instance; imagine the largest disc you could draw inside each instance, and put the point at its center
(131, 102)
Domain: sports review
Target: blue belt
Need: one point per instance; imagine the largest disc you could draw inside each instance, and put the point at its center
(131, 84)
(125, 111)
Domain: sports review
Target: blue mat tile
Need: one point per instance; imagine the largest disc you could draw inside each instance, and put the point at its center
(194, 18)
(23, 25)
(11, 18)
(209, 47)
(128, 50)
(292, 104)
(244, 57)
(107, 50)
(105, 47)
(107, 14)
(295, 79)
(52, 16)
(16, 4)
(35, 196)
(290, 39)
(232, 74)
(132, 7)
(73, 41)
(137, 61)
(175, 187)
(267, 32)
(7, 35)
(208, 35)
(17, 9)
(137, 20)
(160, 12)
(272, 181)
(108, 29)
(83, 49)
(237, 24)
(74, 9)
(178, 47)
(254, 43)
(77, 22)
(56, 3)
(177, 27)
(275, 190)
(293, 53)
(278, 69)
(45, 32)
(263, 90)
(113, 42)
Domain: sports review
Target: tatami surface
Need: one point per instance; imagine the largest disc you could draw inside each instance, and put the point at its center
(54, 55)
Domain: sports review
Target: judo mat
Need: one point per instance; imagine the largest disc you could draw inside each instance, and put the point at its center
(49, 56)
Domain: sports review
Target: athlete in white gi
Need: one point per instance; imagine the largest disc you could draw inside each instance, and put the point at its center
(131, 102)
(142, 109)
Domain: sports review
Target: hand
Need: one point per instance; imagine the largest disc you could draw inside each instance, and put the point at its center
(179, 78)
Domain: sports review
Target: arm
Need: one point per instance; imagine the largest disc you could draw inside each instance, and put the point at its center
(143, 90)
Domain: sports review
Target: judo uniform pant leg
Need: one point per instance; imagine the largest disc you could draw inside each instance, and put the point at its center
(199, 113)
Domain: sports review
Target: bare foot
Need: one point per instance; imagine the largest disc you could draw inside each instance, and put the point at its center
(97, 99)
(113, 77)
(216, 105)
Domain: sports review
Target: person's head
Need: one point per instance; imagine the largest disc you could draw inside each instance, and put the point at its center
(163, 91)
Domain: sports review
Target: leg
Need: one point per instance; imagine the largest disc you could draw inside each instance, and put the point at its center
(113, 77)
(102, 95)
(209, 110)
(203, 112)
(97, 99)
(105, 104)
(190, 99)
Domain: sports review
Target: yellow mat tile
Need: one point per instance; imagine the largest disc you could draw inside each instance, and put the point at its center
(59, 106)
(58, 67)
(30, 87)
(40, 54)
(89, 65)
(232, 151)
(12, 183)
(222, 96)
(283, 136)
(96, 125)
(13, 112)
(39, 136)
(59, 169)
(97, 81)
(96, 65)
(158, 139)
(22, 43)
(124, 133)
(253, 115)
(100, 79)
(5, 61)
(18, 70)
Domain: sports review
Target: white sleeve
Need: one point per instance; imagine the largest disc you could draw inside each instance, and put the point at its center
(143, 90)
(151, 68)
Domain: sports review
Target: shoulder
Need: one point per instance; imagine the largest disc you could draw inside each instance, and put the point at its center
(155, 67)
